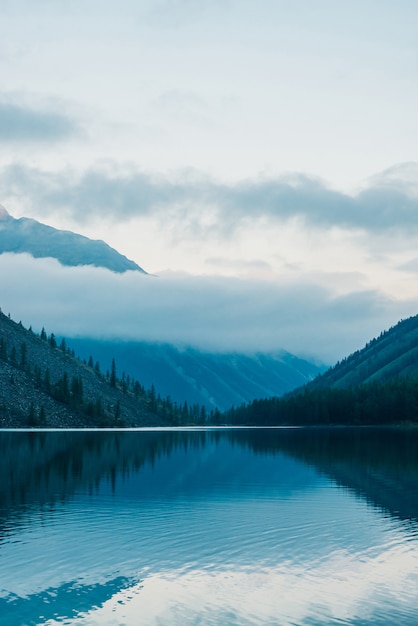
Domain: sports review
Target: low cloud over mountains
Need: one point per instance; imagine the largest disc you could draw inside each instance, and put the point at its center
(212, 313)
(299, 266)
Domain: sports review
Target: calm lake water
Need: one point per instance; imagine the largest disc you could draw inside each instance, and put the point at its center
(224, 527)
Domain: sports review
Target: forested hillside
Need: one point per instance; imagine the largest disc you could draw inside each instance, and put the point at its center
(44, 384)
(375, 385)
(394, 354)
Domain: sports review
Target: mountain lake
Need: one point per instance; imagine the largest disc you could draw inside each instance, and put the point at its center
(220, 527)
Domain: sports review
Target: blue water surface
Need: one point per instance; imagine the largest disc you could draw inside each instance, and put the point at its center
(240, 527)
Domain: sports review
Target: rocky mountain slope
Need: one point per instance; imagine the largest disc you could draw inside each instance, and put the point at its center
(42, 384)
(42, 241)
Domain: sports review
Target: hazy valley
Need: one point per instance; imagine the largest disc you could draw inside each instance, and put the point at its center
(98, 382)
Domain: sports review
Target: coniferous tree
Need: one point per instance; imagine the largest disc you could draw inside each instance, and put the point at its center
(32, 416)
(23, 354)
(3, 349)
(113, 374)
(62, 389)
(152, 398)
(77, 390)
(42, 417)
(203, 415)
(137, 389)
(99, 407)
(13, 356)
(38, 376)
(47, 381)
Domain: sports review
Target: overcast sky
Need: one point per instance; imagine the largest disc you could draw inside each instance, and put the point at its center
(251, 153)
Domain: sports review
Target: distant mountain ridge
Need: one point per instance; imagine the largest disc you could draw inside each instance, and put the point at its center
(43, 383)
(42, 241)
(217, 381)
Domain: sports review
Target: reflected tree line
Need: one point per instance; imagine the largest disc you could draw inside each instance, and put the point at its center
(380, 465)
(38, 466)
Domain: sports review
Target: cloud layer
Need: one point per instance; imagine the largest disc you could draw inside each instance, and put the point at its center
(216, 314)
(20, 123)
(115, 193)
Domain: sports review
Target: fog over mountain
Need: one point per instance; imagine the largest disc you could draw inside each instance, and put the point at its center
(215, 314)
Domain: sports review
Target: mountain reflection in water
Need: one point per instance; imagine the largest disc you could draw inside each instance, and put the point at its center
(241, 526)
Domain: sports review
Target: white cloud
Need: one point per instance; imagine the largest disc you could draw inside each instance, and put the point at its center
(22, 123)
(213, 313)
(292, 226)
(324, 89)
(120, 192)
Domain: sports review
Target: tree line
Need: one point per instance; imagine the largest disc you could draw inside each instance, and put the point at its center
(376, 403)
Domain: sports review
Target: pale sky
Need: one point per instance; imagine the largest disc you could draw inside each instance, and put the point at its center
(269, 142)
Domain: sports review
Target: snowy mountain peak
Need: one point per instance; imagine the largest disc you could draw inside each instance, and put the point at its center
(25, 235)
